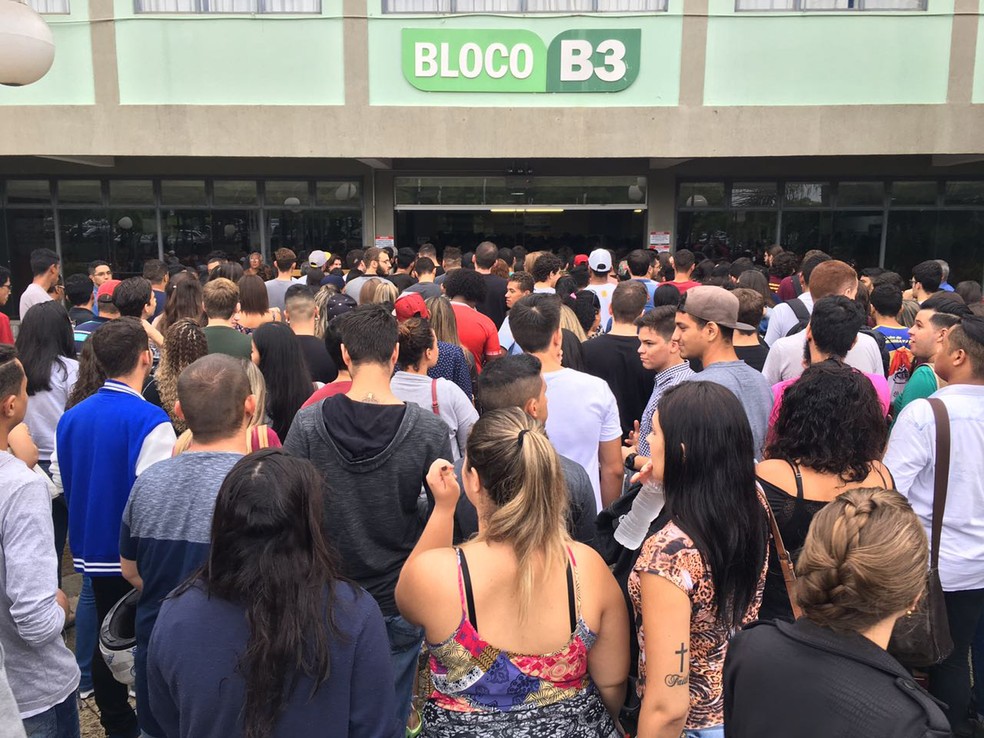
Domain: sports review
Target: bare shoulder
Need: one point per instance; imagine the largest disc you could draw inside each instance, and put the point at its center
(590, 566)
(775, 471)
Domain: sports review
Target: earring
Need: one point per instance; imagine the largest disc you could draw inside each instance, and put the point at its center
(909, 612)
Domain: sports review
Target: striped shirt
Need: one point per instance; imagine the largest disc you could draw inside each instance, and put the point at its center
(664, 380)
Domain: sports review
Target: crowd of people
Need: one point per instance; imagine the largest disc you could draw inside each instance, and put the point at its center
(683, 497)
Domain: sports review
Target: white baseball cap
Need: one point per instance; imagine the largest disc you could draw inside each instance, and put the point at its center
(600, 261)
(317, 258)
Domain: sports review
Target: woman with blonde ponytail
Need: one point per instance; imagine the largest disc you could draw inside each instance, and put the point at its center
(527, 630)
(862, 568)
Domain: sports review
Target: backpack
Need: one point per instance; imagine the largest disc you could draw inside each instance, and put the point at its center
(802, 316)
(882, 347)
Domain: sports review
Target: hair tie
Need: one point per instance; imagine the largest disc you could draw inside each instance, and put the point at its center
(521, 434)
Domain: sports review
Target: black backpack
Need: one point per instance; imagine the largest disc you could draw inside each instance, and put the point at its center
(802, 316)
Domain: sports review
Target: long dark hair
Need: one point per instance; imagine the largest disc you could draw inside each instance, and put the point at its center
(45, 336)
(285, 370)
(269, 555)
(815, 431)
(709, 480)
(184, 300)
(91, 377)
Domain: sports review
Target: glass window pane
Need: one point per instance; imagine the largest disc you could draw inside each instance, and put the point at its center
(188, 233)
(860, 193)
(29, 191)
(964, 193)
(893, 4)
(234, 192)
(334, 230)
(807, 194)
(765, 4)
(133, 240)
(492, 6)
(79, 191)
(50, 6)
(753, 195)
(960, 240)
(85, 235)
(339, 194)
(23, 231)
(702, 195)
(236, 230)
(910, 239)
(914, 193)
(707, 232)
(631, 6)
(183, 192)
(550, 6)
(416, 6)
(287, 194)
(131, 192)
(290, 6)
(857, 237)
(828, 4)
(805, 230)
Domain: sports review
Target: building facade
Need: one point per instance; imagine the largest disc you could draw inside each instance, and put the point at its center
(192, 125)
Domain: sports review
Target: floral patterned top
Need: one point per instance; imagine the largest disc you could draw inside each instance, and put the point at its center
(671, 554)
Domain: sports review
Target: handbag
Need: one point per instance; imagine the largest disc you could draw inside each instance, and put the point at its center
(785, 563)
(923, 638)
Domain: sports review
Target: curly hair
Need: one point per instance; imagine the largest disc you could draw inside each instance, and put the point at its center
(864, 559)
(814, 430)
(184, 343)
(91, 377)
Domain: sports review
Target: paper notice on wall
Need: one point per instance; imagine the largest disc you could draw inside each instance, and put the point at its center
(659, 240)
(386, 242)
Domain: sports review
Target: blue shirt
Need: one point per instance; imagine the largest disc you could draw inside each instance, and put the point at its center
(664, 380)
(452, 365)
(84, 330)
(650, 286)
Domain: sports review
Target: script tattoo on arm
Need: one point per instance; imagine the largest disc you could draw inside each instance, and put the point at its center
(676, 680)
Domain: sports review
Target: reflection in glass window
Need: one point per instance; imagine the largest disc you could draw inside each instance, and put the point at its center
(808, 5)
(523, 6)
(964, 193)
(227, 6)
(338, 194)
(914, 193)
(131, 192)
(702, 195)
(287, 194)
(26, 229)
(807, 194)
(80, 191)
(50, 7)
(852, 194)
(28, 192)
(234, 192)
(183, 192)
(753, 195)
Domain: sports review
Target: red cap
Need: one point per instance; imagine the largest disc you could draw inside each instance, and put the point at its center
(106, 290)
(411, 305)
(580, 259)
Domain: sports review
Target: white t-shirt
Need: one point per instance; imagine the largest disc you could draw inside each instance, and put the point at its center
(604, 292)
(785, 360)
(33, 295)
(581, 413)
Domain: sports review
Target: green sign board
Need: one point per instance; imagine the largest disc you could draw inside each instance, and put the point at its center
(517, 60)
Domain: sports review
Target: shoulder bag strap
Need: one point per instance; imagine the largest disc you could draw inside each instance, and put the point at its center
(434, 404)
(785, 563)
(941, 478)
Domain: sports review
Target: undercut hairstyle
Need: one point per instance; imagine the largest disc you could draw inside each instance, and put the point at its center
(369, 334)
(485, 255)
(969, 338)
(683, 260)
(428, 250)
(929, 274)
(865, 559)
(639, 263)
(42, 260)
(830, 421)
(424, 265)
(131, 296)
(886, 299)
(11, 373)
(284, 259)
(661, 320)
(830, 277)
(415, 337)
(44, 340)
(546, 265)
(715, 504)
(220, 296)
(467, 284)
(628, 300)
(213, 392)
(751, 307)
(834, 324)
(154, 270)
(78, 289)
(452, 256)
(269, 554)
(405, 258)
(535, 320)
(253, 296)
(524, 280)
(299, 302)
(95, 264)
(947, 308)
(118, 346)
(511, 381)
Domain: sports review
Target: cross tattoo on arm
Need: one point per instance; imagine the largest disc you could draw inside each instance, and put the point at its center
(683, 651)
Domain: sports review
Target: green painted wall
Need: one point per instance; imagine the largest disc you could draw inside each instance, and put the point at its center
(977, 94)
(847, 58)
(69, 81)
(657, 85)
(230, 59)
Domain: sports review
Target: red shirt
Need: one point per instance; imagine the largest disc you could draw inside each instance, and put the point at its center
(684, 286)
(6, 335)
(476, 332)
(329, 390)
